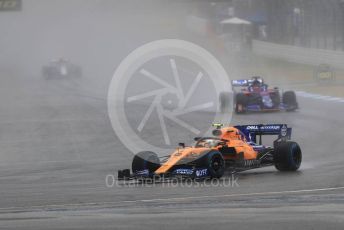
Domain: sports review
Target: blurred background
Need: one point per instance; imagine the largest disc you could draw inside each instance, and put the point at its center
(57, 144)
(246, 35)
(292, 44)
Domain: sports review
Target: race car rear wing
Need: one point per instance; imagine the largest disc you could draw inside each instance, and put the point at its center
(240, 83)
(245, 82)
(253, 131)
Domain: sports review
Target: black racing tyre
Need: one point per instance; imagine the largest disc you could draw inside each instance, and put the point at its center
(145, 161)
(289, 99)
(287, 156)
(241, 101)
(215, 164)
(224, 99)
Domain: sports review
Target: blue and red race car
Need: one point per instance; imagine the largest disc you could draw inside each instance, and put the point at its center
(256, 96)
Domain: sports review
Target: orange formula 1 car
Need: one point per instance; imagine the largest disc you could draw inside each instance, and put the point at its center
(233, 148)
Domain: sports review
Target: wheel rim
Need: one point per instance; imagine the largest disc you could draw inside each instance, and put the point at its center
(216, 163)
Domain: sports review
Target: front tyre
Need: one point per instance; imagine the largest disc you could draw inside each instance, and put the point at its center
(241, 101)
(289, 100)
(215, 164)
(287, 156)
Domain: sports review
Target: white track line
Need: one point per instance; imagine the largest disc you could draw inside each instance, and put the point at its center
(171, 199)
(320, 97)
(240, 195)
(335, 99)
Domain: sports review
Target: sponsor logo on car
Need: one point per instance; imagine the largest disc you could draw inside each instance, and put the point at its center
(142, 172)
(239, 82)
(251, 163)
(252, 127)
(270, 127)
(183, 171)
(201, 172)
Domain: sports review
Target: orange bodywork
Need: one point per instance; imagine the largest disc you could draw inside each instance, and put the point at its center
(234, 139)
(179, 154)
(238, 141)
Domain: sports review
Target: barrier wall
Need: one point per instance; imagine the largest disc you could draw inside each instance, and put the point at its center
(299, 54)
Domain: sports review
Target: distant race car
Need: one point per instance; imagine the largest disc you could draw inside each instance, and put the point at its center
(61, 69)
(233, 149)
(256, 96)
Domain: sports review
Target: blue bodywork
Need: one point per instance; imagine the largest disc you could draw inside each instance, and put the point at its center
(257, 108)
(251, 132)
(255, 96)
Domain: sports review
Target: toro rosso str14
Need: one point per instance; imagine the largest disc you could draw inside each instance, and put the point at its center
(256, 96)
(233, 149)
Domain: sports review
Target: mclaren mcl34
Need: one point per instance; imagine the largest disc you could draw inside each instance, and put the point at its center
(232, 148)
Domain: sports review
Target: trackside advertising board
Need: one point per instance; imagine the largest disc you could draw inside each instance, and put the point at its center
(10, 5)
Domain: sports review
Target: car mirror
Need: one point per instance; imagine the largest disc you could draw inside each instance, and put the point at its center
(197, 138)
(182, 145)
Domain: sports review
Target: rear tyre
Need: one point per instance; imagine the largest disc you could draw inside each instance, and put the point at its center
(241, 101)
(287, 156)
(289, 100)
(215, 164)
(145, 161)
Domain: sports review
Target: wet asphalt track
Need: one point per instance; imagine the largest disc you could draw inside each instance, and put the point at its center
(57, 146)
